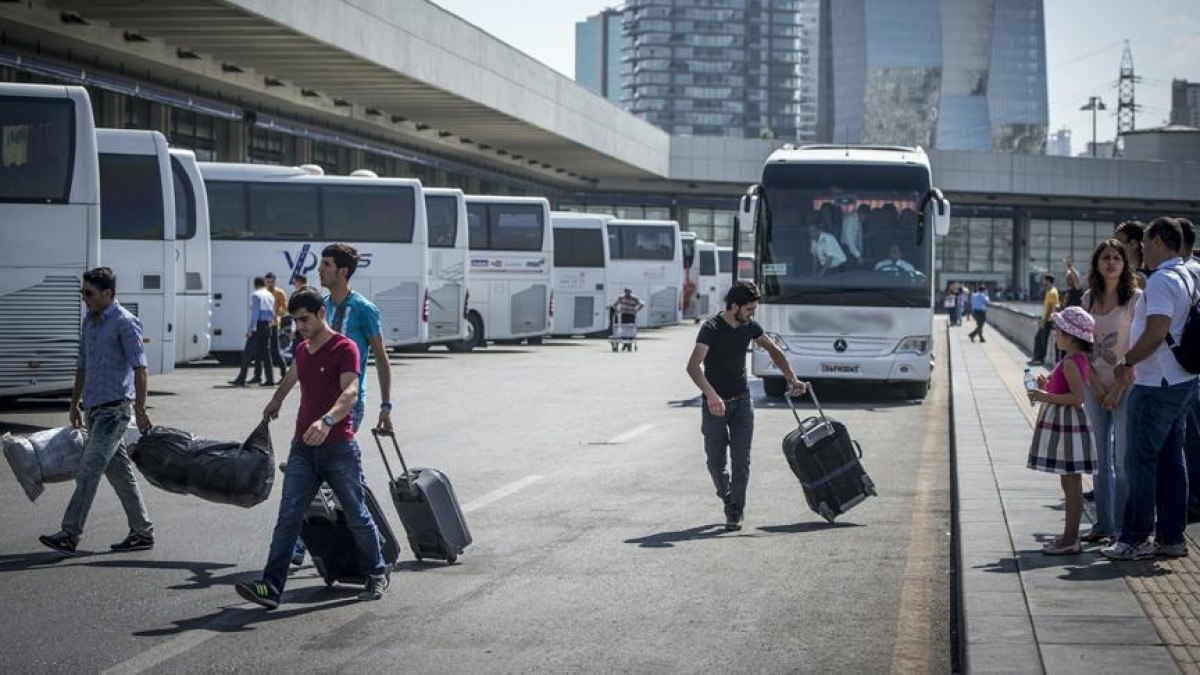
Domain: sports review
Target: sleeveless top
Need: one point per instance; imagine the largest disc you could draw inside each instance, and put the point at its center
(1112, 338)
(1058, 379)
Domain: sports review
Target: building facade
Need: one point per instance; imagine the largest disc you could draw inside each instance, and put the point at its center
(1059, 143)
(1185, 103)
(598, 54)
(946, 74)
(740, 68)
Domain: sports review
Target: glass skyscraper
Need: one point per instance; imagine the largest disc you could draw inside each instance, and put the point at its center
(598, 54)
(947, 74)
(745, 68)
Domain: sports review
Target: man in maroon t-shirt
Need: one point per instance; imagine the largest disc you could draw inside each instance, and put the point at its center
(326, 366)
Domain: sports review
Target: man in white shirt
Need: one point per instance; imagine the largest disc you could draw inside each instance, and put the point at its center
(825, 250)
(894, 263)
(1158, 405)
(852, 227)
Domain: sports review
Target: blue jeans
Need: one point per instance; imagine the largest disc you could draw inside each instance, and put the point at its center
(735, 431)
(1154, 459)
(356, 418)
(339, 465)
(1192, 453)
(104, 455)
(1110, 431)
(1041, 341)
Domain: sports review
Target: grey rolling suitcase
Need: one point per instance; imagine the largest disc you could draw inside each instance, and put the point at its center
(826, 460)
(427, 506)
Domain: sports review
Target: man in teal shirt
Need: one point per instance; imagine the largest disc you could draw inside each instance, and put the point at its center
(352, 315)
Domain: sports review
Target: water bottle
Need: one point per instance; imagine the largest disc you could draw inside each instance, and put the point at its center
(1030, 382)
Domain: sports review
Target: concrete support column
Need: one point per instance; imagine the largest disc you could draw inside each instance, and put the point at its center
(358, 160)
(1020, 253)
(439, 178)
(303, 151)
(231, 146)
(160, 119)
(473, 185)
(108, 112)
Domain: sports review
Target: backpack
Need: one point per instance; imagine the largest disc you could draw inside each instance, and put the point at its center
(1187, 349)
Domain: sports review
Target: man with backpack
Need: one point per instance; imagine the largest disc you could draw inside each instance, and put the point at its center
(1165, 326)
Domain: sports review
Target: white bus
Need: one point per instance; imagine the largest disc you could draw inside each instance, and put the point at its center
(849, 321)
(646, 256)
(580, 277)
(687, 304)
(724, 272)
(50, 220)
(746, 266)
(193, 251)
(278, 219)
(446, 297)
(137, 230)
(512, 247)
(707, 301)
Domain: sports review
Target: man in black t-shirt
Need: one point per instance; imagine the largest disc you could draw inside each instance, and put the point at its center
(728, 414)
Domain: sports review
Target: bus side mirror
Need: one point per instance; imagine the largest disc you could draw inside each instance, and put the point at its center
(748, 210)
(941, 217)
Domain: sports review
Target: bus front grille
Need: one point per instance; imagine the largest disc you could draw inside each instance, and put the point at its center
(40, 340)
(399, 312)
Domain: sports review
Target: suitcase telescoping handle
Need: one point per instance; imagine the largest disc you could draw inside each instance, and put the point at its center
(787, 396)
(395, 444)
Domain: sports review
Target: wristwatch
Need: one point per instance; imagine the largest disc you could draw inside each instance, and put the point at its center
(386, 405)
(329, 421)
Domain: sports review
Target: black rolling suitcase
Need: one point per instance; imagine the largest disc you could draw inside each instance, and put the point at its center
(427, 506)
(329, 541)
(826, 460)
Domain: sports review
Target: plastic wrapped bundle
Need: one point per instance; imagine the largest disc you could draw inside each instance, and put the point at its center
(50, 456)
(224, 472)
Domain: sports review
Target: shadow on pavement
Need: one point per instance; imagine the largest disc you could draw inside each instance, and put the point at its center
(810, 526)
(669, 539)
(240, 619)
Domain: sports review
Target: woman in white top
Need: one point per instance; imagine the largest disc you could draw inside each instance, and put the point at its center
(1111, 297)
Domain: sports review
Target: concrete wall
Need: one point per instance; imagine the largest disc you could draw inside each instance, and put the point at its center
(1012, 323)
(1170, 146)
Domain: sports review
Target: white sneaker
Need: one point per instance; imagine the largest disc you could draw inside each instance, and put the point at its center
(1179, 550)
(1123, 551)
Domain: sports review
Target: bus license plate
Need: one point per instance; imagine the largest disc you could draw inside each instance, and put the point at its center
(839, 368)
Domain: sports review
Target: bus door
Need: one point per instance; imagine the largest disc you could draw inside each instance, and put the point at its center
(193, 255)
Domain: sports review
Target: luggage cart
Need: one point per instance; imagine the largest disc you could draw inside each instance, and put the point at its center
(623, 330)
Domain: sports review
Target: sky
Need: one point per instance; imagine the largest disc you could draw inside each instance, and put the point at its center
(1084, 42)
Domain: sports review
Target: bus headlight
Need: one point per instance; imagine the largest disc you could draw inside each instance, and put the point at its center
(778, 340)
(917, 344)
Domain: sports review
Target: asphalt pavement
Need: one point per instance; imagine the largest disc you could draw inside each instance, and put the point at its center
(598, 545)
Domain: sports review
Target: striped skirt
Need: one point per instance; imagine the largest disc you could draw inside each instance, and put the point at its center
(1062, 441)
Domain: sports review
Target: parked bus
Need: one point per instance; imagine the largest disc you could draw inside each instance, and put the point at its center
(193, 253)
(50, 219)
(687, 304)
(707, 302)
(579, 273)
(724, 273)
(446, 273)
(846, 322)
(646, 256)
(512, 248)
(746, 266)
(279, 218)
(137, 230)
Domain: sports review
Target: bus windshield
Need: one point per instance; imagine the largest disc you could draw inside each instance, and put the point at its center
(844, 235)
(689, 252)
(37, 139)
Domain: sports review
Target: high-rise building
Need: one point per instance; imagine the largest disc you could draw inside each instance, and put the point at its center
(742, 68)
(948, 74)
(1059, 143)
(598, 54)
(1185, 103)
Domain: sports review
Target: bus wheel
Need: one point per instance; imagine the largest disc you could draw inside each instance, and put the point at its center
(917, 390)
(774, 386)
(536, 340)
(474, 335)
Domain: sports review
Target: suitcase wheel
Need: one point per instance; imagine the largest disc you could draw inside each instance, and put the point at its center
(451, 560)
(869, 485)
(826, 512)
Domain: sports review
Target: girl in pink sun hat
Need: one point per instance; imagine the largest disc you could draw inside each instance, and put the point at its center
(1062, 437)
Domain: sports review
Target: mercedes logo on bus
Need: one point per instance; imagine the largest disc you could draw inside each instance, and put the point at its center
(839, 345)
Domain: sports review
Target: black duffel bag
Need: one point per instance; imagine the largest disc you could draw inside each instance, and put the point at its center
(241, 474)
(224, 472)
(163, 455)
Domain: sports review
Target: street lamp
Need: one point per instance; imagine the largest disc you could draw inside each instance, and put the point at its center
(1095, 105)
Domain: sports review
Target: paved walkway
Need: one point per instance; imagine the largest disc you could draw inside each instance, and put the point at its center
(1023, 612)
